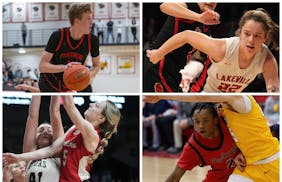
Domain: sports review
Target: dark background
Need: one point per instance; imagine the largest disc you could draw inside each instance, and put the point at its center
(120, 160)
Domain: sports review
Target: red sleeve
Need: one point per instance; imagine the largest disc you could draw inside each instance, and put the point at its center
(188, 159)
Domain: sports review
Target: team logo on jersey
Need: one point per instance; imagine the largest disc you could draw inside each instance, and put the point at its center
(158, 87)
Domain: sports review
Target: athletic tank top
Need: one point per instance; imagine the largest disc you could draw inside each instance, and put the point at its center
(251, 133)
(43, 170)
(227, 76)
(219, 157)
(74, 159)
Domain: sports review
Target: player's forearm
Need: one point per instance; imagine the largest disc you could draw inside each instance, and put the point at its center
(45, 152)
(46, 67)
(179, 10)
(171, 44)
(55, 117)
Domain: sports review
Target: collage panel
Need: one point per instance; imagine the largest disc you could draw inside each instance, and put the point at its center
(211, 47)
(211, 138)
(63, 47)
(81, 138)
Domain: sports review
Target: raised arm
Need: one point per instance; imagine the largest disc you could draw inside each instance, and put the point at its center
(29, 142)
(198, 40)
(180, 10)
(89, 134)
(55, 117)
(238, 103)
(53, 150)
(270, 74)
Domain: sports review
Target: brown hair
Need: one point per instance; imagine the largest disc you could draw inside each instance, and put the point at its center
(270, 27)
(109, 127)
(77, 9)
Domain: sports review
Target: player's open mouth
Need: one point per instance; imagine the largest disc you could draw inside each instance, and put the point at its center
(250, 47)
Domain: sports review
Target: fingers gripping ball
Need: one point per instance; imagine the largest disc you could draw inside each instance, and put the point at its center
(76, 77)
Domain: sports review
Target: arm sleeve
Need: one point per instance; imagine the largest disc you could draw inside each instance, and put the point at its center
(53, 42)
(95, 46)
(188, 159)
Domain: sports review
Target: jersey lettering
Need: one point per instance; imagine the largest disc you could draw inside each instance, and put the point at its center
(226, 87)
(32, 177)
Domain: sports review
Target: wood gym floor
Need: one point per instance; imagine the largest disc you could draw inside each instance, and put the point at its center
(158, 169)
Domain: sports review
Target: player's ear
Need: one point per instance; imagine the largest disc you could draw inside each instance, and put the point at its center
(101, 118)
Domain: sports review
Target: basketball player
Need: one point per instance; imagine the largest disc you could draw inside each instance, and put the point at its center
(41, 136)
(69, 46)
(236, 60)
(81, 144)
(165, 76)
(206, 146)
(249, 130)
(37, 137)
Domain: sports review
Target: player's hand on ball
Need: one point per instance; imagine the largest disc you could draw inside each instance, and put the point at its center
(69, 65)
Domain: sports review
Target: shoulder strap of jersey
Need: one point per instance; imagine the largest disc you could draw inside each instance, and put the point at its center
(61, 39)
(89, 42)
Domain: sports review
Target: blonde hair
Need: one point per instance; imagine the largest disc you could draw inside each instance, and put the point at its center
(109, 127)
(270, 27)
(77, 9)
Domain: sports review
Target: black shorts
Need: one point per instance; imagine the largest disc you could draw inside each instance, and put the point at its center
(44, 86)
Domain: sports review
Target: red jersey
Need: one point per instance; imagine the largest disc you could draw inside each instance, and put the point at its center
(75, 166)
(218, 152)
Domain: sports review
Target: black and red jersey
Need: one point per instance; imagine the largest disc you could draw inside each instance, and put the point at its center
(65, 49)
(166, 72)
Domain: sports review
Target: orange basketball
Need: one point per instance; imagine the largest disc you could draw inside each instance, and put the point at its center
(76, 77)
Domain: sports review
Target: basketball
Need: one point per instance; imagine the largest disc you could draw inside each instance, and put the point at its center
(76, 77)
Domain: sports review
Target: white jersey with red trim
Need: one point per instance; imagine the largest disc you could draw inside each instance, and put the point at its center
(227, 76)
(43, 170)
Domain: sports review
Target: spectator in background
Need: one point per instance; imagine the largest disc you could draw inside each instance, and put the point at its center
(18, 73)
(271, 112)
(148, 121)
(31, 75)
(164, 122)
(182, 122)
(119, 32)
(110, 26)
(24, 32)
(134, 29)
(11, 76)
(100, 30)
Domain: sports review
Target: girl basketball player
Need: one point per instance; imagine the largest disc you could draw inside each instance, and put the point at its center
(164, 76)
(41, 136)
(236, 60)
(206, 146)
(249, 130)
(81, 144)
(69, 46)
